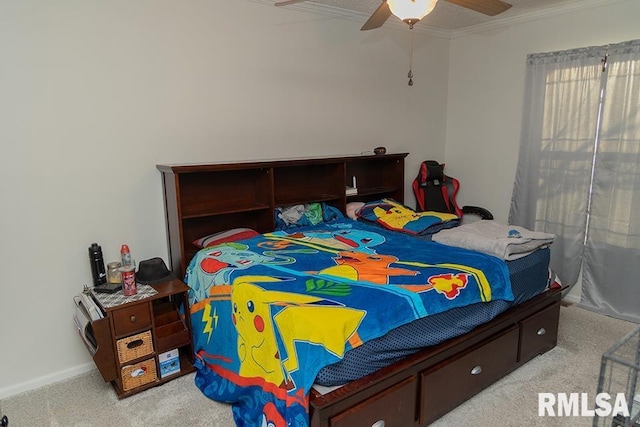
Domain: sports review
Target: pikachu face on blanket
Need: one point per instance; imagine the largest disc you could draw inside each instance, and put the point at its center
(303, 318)
(398, 216)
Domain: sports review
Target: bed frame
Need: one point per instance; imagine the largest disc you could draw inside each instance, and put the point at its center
(414, 391)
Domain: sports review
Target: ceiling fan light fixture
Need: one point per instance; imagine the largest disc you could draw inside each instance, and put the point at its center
(411, 11)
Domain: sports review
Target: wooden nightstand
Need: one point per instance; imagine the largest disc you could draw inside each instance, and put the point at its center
(132, 335)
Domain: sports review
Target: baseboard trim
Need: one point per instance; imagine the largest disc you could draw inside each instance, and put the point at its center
(572, 299)
(46, 380)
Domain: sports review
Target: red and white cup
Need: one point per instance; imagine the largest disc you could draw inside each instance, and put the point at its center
(128, 274)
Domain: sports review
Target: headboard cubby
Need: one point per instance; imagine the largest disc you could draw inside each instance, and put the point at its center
(200, 199)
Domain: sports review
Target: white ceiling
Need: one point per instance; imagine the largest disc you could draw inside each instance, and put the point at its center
(447, 18)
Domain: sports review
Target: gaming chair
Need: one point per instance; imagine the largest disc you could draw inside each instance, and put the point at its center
(437, 192)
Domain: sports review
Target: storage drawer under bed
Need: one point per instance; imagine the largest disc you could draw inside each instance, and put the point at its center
(451, 382)
(393, 407)
(539, 333)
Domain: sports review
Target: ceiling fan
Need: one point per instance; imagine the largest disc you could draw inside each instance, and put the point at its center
(411, 11)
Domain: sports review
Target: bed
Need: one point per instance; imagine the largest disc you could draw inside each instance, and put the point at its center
(307, 283)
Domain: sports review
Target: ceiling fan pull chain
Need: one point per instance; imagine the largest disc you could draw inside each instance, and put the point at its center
(410, 75)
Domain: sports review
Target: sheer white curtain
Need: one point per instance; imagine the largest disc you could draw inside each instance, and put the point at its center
(556, 151)
(611, 274)
(578, 173)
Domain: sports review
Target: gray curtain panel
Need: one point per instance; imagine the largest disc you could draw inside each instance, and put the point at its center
(578, 173)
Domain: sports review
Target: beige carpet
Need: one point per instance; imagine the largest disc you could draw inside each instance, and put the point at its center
(573, 366)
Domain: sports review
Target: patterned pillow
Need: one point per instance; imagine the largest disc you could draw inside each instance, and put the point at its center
(231, 235)
(392, 215)
(352, 209)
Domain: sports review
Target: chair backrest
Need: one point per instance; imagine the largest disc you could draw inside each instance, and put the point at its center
(434, 190)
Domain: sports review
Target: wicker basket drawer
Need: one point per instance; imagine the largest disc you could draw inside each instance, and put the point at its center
(135, 346)
(139, 374)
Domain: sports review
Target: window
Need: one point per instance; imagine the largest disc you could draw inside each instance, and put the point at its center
(579, 170)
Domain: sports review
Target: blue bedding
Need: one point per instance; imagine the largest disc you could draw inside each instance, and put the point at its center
(529, 277)
(269, 312)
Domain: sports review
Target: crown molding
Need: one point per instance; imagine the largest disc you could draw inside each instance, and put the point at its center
(574, 6)
(495, 23)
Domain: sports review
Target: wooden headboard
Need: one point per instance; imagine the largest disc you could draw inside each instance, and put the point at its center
(201, 199)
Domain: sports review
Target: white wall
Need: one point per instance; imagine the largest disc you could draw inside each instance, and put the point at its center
(95, 93)
(486, 92)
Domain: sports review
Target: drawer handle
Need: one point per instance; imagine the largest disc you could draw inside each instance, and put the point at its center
(379, 423)
(477, 370)
(133, 319)
(541, 331)
(135, 343)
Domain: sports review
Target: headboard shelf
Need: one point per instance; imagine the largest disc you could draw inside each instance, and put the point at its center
(227, 210)
(378, 191)
(300, 199)
(201, 199)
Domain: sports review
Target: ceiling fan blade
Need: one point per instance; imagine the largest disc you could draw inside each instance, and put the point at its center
(288, 2)
(378, 18)
(488, 7)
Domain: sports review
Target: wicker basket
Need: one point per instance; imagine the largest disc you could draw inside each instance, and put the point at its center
(139, 374)
(135, 346)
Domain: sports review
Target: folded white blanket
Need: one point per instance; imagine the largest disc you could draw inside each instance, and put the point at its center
(504, 241)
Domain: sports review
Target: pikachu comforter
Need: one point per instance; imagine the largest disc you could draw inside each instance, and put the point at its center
(269, 312)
